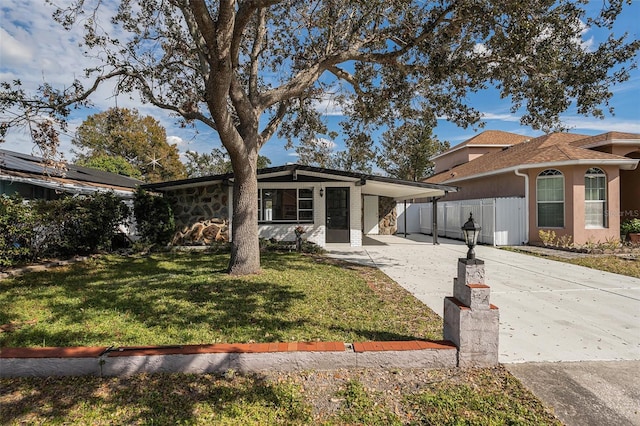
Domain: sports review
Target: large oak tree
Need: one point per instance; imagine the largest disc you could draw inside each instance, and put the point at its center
(251, 68)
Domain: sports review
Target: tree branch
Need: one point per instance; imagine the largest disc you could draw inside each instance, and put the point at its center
(274, 123)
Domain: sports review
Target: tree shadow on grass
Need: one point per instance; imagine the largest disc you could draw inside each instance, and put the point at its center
(157, 399)
(377, 335)
(159, 297)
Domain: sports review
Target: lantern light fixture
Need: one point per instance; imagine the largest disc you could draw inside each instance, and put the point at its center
(471, 231)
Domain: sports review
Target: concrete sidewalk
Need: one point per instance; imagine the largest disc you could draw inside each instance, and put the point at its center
(549, 311)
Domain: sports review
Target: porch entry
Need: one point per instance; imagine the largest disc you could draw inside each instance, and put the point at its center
(337, 214)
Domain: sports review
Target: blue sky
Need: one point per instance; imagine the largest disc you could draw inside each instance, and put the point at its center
(34, 49)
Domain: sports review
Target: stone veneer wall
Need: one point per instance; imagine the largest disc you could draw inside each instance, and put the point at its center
(388, 224)
(201, 214)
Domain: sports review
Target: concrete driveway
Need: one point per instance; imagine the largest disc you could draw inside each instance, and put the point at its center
(549, 311)
(551, 314)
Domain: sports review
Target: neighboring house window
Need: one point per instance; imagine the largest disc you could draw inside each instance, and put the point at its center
(285, 205)
(595, 198)
(550, 198)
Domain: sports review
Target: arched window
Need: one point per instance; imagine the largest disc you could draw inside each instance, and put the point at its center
(550, 199)
(595, 198)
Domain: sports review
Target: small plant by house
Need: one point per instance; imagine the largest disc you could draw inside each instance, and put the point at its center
(548, 238)
(631, 229)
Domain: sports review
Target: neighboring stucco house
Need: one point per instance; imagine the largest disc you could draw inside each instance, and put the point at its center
(332, 206)
(576, 185)
(29, 177)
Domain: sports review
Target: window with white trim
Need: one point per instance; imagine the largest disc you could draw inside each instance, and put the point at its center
(595, 198)
(550, 199)
(285, 205)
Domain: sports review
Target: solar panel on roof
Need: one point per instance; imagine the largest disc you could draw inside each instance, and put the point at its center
(10, 161)
(15, 161)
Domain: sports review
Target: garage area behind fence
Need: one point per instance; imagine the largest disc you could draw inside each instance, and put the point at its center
(503, 220)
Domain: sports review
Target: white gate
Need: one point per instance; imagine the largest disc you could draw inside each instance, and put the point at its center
(502, 219)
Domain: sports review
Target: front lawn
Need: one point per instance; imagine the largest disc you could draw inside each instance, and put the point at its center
(186, 298)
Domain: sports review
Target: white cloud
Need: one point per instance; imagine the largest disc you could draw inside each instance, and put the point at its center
(12, 51)
(325, 143)
(175, 140)
(602, 126)
(329, 107)
(500, 117)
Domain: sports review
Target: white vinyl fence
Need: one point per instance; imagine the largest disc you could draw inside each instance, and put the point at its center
(502, 219)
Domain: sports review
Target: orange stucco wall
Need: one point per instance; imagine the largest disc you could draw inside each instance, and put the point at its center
(504, 185)
(623, 199)
(574, 209)
(461, 156)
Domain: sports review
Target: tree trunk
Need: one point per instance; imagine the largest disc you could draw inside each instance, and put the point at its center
(245, 247)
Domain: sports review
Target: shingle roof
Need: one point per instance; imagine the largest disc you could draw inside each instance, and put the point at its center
(495, 137)
(488, 137)
(605, 137)
(555, 147)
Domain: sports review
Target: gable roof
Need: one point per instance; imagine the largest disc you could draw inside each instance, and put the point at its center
(608, 138)
(20, 167)
(371, 184)
(488, 138)
(555, 149)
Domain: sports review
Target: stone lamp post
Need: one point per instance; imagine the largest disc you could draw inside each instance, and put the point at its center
(470, 321)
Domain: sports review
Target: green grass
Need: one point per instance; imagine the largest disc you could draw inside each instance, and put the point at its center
(150, 399)
(629, 266)
(188, 299)
(615, 264)
(441, 397)
(185, 298)
(487, 399)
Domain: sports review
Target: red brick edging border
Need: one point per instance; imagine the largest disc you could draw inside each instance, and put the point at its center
(241, 357)
(245, 348)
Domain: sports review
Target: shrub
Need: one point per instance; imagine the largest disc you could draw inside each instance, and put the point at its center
(16, 231)
(631, 226)
(547, 237)
(154, 218)
(79, 225)
(67, 226)
(273, 245)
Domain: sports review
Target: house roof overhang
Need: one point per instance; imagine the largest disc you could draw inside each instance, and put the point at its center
(623, 164)
(70, 186)
(371, 184)
(461, 146)
(632, 143)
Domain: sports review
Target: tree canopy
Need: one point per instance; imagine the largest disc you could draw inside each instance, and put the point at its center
(215, 163)
(406, 149)
(251, 68)
(109, 163)
(110, 139)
